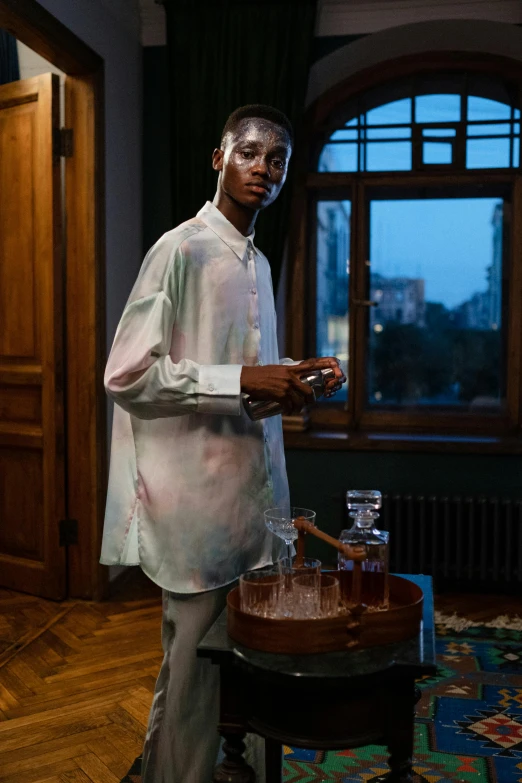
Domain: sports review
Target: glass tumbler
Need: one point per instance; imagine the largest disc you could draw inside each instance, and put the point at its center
(330, 595)
(289, 570)
(315, 596)
(260, 591)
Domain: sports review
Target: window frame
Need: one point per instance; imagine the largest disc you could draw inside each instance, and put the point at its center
(355, 420)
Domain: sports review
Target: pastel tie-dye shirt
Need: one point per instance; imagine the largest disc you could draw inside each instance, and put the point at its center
(190, 474)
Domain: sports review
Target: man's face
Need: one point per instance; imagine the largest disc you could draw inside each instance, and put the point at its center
(254, 162)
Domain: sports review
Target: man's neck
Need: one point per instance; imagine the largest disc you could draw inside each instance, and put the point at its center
(241, 217)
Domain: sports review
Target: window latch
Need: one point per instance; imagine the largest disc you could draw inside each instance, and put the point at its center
(364, 303)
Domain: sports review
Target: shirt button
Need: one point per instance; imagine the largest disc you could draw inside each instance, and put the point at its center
(260, 364)
(211, 387)
(253, 291)
(256, 326)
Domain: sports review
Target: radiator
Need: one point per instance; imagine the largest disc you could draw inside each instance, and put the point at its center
(460, 541)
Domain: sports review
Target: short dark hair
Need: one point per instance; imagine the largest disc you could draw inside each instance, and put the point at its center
(258, 111)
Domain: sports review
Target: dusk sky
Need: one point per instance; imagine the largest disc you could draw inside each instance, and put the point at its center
(448, 242)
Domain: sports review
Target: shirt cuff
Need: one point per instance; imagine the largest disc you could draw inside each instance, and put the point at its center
(220, 389)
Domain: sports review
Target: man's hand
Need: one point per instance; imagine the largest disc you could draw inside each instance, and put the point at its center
(281, 383)
(329, 362)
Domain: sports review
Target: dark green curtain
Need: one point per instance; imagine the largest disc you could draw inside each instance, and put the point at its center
(9, 67)
(224, 54)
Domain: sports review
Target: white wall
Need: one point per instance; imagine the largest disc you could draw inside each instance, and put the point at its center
(31, 64)
(112, 29)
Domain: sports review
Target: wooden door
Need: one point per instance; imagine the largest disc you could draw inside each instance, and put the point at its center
(31, 338)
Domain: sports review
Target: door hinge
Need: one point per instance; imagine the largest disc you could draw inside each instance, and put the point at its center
(63, 143)
(68, 532)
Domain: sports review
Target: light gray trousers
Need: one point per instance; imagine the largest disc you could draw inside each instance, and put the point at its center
(182, 741)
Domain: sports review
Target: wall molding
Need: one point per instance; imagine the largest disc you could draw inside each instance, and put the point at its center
(339, 17)
(472, 36)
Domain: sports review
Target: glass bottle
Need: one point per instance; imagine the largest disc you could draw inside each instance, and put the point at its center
(363, 570)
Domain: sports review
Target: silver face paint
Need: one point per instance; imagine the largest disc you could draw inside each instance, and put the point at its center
(255, 162)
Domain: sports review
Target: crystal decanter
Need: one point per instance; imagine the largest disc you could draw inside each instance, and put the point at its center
(363, 568)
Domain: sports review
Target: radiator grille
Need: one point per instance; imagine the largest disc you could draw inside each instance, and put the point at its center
(474, 541)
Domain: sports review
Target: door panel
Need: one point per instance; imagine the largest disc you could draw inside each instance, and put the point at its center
(31, 354)
(17, 279)
(21, 468)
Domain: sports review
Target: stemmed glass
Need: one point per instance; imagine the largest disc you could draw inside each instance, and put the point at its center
(280, 522)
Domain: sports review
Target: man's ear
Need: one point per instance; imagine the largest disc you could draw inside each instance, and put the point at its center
(217, 160)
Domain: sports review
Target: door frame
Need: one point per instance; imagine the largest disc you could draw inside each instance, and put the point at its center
(85, 314)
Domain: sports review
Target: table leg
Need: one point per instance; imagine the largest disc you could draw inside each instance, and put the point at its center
(234, 768)
(400, 736)
(274, 761)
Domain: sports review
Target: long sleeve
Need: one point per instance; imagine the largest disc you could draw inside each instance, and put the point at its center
(141, 376)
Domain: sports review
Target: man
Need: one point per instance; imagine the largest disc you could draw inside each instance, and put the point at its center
(190, 473)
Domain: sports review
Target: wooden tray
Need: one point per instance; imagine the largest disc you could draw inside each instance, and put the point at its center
(401, 621)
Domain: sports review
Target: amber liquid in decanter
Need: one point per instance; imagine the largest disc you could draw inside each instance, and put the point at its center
(363, 566)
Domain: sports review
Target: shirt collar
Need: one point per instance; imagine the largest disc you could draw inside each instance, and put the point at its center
(216, 221)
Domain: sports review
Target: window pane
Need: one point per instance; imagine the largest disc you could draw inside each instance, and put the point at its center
(436, 337)
(394, 113)
(501, 129)
(388, 133)
(436, 152)
(354, 121)
(443, 132)
(487, 153)
(344, 135)
(485, 109)
(333, 269)
(437, 108)
(338, 157)
(516, 152)
(388, 156)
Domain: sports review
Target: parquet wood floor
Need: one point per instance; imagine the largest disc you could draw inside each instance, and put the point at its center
(76, 684)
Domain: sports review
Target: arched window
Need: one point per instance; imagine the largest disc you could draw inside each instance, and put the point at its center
(415, 253)
(453, 121)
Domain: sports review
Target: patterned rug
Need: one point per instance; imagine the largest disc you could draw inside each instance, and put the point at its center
(469, 719)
